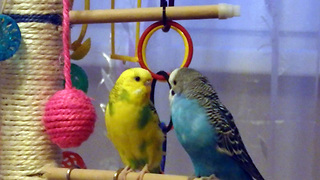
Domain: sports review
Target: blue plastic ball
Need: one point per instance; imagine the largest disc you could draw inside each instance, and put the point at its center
(10, 37)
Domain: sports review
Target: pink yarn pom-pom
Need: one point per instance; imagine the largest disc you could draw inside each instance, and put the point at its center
(69, 118)
(69, 115)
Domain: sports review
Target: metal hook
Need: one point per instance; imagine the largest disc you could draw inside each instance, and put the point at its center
(171, 2)
(164, 4)
(68, 175)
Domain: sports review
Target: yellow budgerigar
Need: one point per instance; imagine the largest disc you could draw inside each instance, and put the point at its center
(133, 124)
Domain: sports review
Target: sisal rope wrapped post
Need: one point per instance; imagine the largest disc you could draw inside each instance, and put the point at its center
(27, 80)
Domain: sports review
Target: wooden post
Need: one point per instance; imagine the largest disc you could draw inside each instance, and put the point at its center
(27, 80)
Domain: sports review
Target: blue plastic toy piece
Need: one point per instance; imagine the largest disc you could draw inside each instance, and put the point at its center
(10, 37)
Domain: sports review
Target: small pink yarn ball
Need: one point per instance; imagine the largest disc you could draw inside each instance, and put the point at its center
(69, 118)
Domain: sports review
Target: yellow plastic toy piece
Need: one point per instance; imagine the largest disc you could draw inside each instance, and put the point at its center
(81, 50)
(123, 57)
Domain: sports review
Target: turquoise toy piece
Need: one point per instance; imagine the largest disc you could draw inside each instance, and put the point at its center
(10, 37)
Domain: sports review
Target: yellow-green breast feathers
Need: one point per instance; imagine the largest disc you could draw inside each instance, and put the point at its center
(132, 123)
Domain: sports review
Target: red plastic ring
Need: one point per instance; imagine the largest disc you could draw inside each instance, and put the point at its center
(159, 25)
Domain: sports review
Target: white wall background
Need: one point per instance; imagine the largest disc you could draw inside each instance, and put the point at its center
(264, 65)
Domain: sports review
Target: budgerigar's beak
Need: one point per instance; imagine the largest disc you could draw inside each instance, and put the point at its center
(147, 83)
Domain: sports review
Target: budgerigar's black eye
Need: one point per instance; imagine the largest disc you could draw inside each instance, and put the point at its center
(137, 78)
(172, 93)
(174, 82)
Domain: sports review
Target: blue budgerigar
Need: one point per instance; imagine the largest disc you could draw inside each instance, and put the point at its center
(206, 129)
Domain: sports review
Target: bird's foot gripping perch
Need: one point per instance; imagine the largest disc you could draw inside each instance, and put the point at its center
(143, 172)
(122, 173)
(212, 177)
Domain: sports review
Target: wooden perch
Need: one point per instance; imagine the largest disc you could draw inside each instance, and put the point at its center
(52, 173)
(221, 11)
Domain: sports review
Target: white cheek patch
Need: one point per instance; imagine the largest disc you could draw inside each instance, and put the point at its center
(172, 76)
(170, 96)
(138, 91)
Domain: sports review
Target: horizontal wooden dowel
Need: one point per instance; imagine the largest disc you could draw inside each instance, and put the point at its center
(221, 11)
(52, 173)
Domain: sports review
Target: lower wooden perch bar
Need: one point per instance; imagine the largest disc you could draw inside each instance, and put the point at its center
(52, 173)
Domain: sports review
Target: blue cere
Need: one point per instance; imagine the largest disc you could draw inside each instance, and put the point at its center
(10, 37)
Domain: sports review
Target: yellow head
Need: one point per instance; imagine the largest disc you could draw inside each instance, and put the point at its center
(133, 85)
